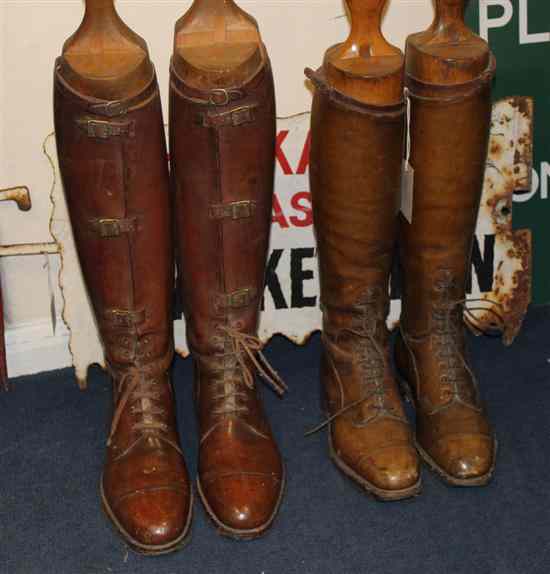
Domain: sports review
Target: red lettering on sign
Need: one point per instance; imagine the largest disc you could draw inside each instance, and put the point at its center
(277, 213)
(280, 154)
(303, 164)
(301, 202)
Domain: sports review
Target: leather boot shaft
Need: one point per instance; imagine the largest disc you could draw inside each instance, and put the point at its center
(223, 158)
(222, 148)
(113, 162)
(115, 175)
(449, 131)
(355, 174)
(449, 138)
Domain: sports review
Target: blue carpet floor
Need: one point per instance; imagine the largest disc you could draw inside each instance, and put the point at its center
(52, 439)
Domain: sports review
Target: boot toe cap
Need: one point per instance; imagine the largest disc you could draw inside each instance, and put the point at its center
(392, 468)
(242, 502)
(153, 518)
(465, 457)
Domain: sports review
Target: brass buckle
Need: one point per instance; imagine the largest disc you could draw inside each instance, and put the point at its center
(110, 109)
(99, 129)
(242, 209)
(108, 227)
(113, 227)
(241, 116)
(124, 317)
(223, 92)
(104, 129)
(227, 96)
(240, 298)
(234, 210)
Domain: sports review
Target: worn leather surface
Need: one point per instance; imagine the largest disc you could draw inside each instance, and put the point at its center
(222, 153)
(112, 157)
(449, 136)
(355, 169)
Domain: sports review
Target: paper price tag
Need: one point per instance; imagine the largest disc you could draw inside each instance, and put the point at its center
(407, 171)
(407, 189)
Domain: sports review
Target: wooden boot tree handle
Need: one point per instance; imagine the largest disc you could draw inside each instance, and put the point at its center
(216, 45)
(366, 66)
(448, 52)
(450, 9)
(104, 58)
(365, 36)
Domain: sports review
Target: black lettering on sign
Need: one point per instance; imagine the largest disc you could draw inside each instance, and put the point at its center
(298, 275)
(483, 265)
(272, 281)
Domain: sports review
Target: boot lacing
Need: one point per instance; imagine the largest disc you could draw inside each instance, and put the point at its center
(373, 362)
(447, 321)
(246, 350)
(139, 390)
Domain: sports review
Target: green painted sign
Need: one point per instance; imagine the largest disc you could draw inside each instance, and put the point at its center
(518, 32)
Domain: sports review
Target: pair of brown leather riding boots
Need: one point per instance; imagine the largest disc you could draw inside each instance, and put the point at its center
(128, 211)
(357, 151)
(122, 203)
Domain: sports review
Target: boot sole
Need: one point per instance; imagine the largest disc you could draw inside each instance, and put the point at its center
(379, 494)
(236, 533)
(148, 549)
(482, 480)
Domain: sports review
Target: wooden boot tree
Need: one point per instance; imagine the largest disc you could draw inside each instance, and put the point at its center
(448, 52)
(366, 67)
(216, 44)
(104, 58)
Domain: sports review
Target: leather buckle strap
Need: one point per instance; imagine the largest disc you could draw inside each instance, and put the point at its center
(236, 299)
(110, 109)
(123, 317)
(104, 129)
(222, 96)
(113, 227)
(216, 97)
(234, 210)
(235, 117)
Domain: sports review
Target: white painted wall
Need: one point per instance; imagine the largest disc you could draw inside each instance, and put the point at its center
(296, 33)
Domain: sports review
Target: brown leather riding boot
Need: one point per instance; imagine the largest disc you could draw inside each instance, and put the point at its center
(450, 120)
(355, 168)
(222, 152)
(112, 156)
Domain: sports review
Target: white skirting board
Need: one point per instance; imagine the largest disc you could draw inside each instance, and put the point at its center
(34, 347)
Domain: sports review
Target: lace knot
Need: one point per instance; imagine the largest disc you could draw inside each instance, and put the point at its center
(245, 346)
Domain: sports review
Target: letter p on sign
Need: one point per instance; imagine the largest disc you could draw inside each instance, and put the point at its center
(486, 23)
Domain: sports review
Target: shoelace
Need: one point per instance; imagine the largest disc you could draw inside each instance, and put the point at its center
(135, 388)
(448, 330)
(251, 347)
(245, 346)
(374, 374)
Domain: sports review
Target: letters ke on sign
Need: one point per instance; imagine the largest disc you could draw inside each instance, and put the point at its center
(501, 257)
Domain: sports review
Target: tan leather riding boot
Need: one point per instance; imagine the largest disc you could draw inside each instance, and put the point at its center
(450, 120)
(222, 150)
(355, 168)
(112, 156)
